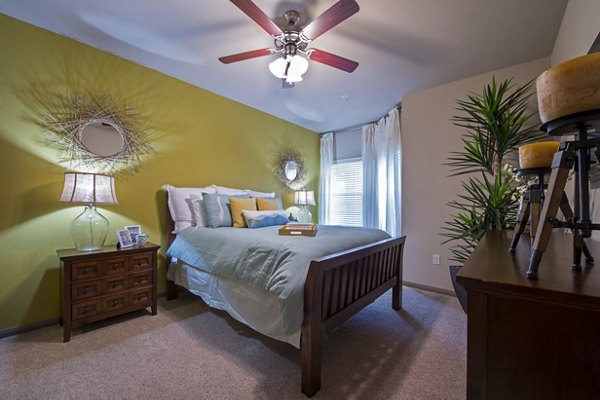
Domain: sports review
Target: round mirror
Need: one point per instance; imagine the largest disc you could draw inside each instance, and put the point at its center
(102, 138)
(290, 170)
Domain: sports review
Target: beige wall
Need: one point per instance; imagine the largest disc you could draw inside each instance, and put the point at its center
(427, 138)
(579, 28)
(200, 139)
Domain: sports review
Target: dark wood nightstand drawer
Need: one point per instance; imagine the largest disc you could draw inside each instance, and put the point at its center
(85, 290)
(114, 284)
(140, 296)
(141, 262)
(86, 309)
(115, 265)
(140, 279)
(114, 302)
(85, 270)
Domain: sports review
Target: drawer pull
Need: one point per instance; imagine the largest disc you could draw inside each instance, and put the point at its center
(87, 269)
(114, 285)
(143, 297)
(87, 309)
(87, 289)
(140, 281)
(116, 266)
(116, 302)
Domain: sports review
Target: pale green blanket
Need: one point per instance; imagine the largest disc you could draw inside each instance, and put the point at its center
(265, 260)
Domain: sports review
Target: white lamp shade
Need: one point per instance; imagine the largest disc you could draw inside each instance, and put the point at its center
(278, 67)
(87, 188)
(298, 65)
(304, 198)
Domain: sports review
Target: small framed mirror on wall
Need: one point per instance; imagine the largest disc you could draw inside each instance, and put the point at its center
(289, 168)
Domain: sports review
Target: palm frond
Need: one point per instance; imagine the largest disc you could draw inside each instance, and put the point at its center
(497, 122)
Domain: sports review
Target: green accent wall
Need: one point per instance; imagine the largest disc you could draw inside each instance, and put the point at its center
(200, 139)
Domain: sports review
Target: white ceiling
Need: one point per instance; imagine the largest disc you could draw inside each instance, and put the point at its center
(401, 45)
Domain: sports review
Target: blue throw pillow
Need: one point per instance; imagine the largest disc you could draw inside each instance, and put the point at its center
(218, 211)
(260, 219)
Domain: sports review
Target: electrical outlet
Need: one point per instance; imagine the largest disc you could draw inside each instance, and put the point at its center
(436, 259)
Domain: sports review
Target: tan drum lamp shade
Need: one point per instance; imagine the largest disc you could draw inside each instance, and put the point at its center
(89, 228)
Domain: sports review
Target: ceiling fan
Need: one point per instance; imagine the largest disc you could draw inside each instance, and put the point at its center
(292, 42)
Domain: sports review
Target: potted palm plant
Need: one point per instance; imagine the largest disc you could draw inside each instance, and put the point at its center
(496, 124)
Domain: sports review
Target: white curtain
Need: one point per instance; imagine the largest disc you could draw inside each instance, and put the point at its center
(326, 164)
(381, 155)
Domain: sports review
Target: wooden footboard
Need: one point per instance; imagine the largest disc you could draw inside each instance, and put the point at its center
(340, 285)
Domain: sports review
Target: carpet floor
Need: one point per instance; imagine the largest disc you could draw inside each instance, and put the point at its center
(189, 351)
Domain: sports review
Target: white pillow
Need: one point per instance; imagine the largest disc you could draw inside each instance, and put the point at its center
(180, 204)
(253, 193)
(228, 191)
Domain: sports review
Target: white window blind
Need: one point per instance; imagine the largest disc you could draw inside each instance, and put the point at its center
(345, 199)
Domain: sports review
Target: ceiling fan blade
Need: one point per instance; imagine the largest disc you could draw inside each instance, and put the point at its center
(337, 13)
(332, 60)
(245, 56)
(258, 16)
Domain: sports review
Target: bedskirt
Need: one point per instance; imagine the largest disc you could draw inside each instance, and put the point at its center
(257, 309)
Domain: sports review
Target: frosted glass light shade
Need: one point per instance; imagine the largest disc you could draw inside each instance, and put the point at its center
(277, 67)
(289, 68)
(89, 229)
(298, 66)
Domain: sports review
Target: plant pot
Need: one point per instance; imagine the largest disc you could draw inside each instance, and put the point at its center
(461, 292)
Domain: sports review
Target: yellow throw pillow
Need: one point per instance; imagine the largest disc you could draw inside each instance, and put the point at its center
(268, 204)
(239, 205)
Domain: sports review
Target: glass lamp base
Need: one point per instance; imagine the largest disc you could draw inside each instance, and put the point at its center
(89, 229)
(304, 215)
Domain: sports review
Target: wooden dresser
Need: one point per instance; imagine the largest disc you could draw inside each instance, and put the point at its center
(531, 339)
(105, 283)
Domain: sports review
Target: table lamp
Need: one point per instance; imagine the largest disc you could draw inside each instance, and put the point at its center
(304, 198)
(89, 228)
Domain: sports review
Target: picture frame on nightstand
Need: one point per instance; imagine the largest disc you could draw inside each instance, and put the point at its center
(124, 237)
(134, 230)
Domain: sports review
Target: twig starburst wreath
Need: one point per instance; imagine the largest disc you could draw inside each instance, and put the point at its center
(281, 161)
(66, 122)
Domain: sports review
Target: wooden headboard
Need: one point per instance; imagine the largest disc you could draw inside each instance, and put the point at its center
(170, 224)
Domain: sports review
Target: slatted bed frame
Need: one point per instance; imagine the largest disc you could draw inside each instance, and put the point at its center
(337, 287)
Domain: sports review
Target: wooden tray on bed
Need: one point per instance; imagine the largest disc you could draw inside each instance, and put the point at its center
(298, 230)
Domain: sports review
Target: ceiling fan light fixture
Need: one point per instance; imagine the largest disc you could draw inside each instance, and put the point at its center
(298, 66)
(278, 67)
(290, 68)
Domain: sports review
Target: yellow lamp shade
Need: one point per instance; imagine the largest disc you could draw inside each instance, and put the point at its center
(570, 87)
(537, 155)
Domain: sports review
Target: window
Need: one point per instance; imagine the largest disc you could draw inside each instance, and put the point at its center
(345, 198)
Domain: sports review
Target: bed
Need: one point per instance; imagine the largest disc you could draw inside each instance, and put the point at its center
(335, 285)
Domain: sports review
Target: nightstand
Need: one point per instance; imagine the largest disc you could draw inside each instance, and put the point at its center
(105, 283)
